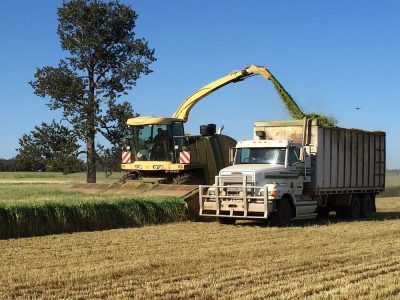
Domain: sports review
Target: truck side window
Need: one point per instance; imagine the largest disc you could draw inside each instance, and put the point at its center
(294, 155)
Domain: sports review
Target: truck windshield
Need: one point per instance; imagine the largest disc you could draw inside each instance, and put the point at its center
(260, 156)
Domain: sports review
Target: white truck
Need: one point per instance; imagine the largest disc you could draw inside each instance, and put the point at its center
(297, 170)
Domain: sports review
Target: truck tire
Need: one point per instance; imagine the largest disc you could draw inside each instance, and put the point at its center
(340, 212)
(323, 212)
(373, 196)
(352, 211)
(367, 206)
(227, 221)
(282, 217)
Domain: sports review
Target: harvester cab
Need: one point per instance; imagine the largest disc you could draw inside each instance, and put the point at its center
(157, 141)
(158, 151)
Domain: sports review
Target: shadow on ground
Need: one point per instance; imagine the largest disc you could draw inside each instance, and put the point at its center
(332, 219)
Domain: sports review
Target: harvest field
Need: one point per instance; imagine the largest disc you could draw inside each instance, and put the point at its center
(33, 206)
(52, 177)
(320, 259)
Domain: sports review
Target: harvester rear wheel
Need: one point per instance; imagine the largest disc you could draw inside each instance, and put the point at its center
(228, 221)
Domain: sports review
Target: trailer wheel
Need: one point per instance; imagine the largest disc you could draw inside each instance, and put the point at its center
(340, 212)
(367, 207)
(227, 221)
(353, 210)
(282, 217)
(373, 203)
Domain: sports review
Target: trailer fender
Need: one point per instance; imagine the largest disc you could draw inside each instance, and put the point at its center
(342, 199)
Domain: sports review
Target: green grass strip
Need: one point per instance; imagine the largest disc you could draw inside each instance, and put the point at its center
(24, 219)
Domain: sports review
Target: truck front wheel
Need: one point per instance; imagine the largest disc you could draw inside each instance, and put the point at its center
(282, 217)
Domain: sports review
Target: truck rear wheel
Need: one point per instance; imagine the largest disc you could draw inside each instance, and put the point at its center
(340, 212)
(227, 221)
(282, 217)
(373, 203)
(367, 206)
(353, 210)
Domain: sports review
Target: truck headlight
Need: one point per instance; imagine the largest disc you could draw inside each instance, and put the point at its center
(211, 192)
(274, 193)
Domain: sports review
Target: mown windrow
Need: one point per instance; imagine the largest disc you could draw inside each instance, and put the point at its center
(23, 219)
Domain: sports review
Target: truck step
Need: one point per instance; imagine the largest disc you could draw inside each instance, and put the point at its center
(302, 217)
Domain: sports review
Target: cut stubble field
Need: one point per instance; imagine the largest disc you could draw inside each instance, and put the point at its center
(318, 259)
(321, 259)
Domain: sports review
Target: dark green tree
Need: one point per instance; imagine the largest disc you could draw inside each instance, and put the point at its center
(105, 61)
(109, 159)
(7, 165)
(50, 147)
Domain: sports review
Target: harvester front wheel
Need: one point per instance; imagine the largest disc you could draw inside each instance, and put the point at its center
(188, 179)
(227, 221)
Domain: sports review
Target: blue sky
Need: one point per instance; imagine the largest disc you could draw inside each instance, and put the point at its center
(332, 56)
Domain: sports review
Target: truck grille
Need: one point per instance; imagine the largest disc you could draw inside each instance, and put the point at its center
(236, 180)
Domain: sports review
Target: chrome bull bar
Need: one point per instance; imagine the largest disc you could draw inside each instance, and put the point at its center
(242, 201)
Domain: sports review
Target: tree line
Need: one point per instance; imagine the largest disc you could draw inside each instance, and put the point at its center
(55, 148)
(107, 164)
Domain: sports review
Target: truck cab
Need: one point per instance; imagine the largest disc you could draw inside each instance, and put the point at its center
(264, 174)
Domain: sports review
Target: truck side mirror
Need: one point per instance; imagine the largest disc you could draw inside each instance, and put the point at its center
(302, 153)
(231, 155)
(306, 156)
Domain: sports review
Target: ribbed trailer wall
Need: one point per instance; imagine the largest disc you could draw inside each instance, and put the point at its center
(348, 160)
(343, 160)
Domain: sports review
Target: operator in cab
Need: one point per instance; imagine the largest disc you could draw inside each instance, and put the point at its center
(161, 145)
